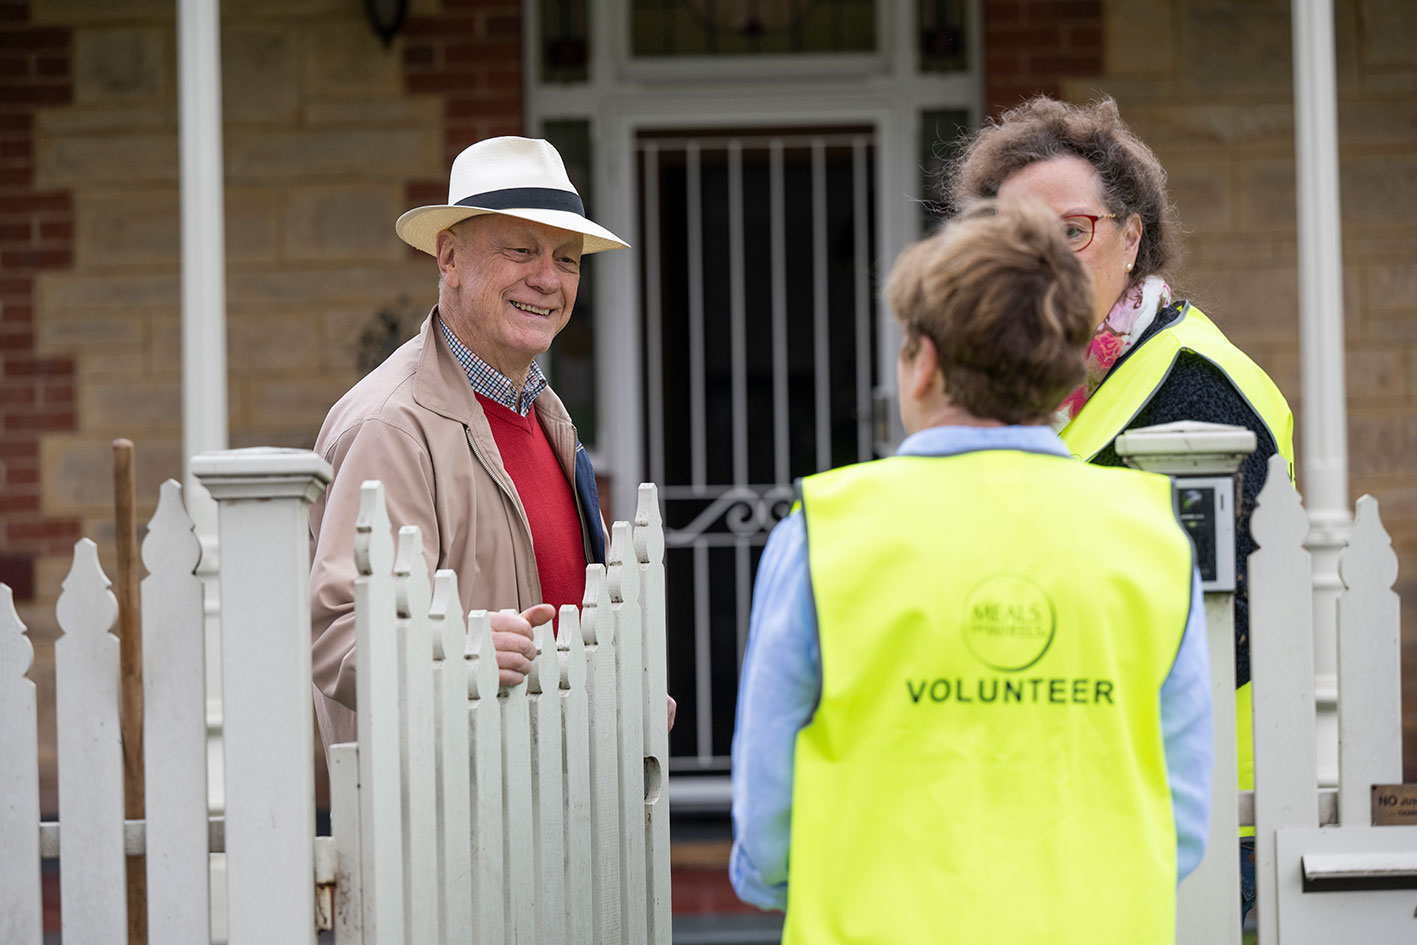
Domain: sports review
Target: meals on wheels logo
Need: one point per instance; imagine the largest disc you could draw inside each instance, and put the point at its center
(1008, 622)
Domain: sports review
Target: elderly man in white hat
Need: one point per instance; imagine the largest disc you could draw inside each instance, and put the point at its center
(471, 444)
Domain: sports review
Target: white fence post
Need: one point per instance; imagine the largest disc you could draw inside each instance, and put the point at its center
(598, 631)
(548, 834)
(575, 753)
(377, 725)
(517, 853)
(1282, 667)
(623, 578)
(19, 781)
(450, 709)
(1208, 901)
(263, 497)
(345, 831)
(91, 878)
(484, 720)
(416, 742)
(1369, 679)
(174, 726)
(649, 552)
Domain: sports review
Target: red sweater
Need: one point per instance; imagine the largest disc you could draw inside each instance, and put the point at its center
(548, 499)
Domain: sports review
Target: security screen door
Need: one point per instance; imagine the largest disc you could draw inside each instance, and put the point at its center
(759, 288)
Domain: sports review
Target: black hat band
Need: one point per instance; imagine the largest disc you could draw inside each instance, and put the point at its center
(526, 198)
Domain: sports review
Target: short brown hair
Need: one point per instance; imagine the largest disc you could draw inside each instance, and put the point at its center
(1133, 180)
(1006, 304)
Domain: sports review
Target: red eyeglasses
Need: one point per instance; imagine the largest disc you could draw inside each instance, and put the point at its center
(1080, 228)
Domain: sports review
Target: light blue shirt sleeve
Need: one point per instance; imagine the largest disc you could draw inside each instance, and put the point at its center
(1187, 733)
(777, 695)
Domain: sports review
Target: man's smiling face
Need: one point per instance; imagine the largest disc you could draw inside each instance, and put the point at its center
(508, 287)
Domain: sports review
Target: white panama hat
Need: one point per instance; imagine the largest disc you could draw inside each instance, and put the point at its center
(518, 177)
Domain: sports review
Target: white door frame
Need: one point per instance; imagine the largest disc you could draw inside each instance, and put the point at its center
(884, 90)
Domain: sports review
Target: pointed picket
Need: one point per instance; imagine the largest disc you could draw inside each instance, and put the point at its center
(416, 745)
(344, 830)
(1369, 670)
(598, 631)
(1282, 668)
(623, 579)
(547, 788)
(174, 725)
(92, 884)
(377, 694)
(485, 784)
(19, 781)
(575, 756)
(516, 792)
(450, 733)
(649, 552)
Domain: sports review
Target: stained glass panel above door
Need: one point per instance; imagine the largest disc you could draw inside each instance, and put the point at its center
(565, 41)
(665, 28)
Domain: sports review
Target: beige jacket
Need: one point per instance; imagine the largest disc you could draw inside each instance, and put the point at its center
(415, 424)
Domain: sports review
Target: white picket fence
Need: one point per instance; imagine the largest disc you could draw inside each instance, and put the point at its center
(1325, 876)
(465, 813)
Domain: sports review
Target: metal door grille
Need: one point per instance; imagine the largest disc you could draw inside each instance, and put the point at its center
(759, 328)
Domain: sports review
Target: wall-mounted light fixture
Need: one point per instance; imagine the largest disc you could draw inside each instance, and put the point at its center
(386, 17)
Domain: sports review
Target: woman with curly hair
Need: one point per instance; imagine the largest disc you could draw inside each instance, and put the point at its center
(1154, 357)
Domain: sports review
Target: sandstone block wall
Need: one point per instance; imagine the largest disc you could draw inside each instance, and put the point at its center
(328, 137)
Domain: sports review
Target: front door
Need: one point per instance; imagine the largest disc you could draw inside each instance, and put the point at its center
(759, 289)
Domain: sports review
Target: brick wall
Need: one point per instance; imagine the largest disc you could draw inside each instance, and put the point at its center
(1032, 46)
(36, 235)
(467, 54)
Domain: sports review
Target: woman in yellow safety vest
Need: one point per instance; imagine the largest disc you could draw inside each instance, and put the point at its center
(1154, 358)
(958, 722)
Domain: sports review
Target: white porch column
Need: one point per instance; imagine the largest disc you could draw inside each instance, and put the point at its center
(203, 249)
(204, 411)
(264, 497)
(1324, 472)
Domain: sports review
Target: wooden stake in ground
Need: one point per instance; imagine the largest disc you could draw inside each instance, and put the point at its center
(130, 645)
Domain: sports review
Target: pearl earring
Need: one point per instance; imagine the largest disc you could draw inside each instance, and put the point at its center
(1129, 267)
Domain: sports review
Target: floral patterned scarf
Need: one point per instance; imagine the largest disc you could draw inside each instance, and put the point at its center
(1129, 318)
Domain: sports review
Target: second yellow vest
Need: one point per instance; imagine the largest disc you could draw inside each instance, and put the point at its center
(1131, 386)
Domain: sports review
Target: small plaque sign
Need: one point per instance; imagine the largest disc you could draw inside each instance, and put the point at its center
(1394, 805)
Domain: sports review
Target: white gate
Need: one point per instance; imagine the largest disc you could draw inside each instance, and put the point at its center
(464, 812)
(1324, 875)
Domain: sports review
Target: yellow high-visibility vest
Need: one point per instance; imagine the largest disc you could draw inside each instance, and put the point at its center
(1137, 378)
(1130, 387)
(986, 763)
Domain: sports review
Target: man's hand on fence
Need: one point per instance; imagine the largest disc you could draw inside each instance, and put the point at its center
(512, 639)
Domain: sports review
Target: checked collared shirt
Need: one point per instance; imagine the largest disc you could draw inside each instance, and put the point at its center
(493, 384)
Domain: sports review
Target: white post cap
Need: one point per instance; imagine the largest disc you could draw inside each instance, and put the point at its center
(1186, 447)
(262, 472)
